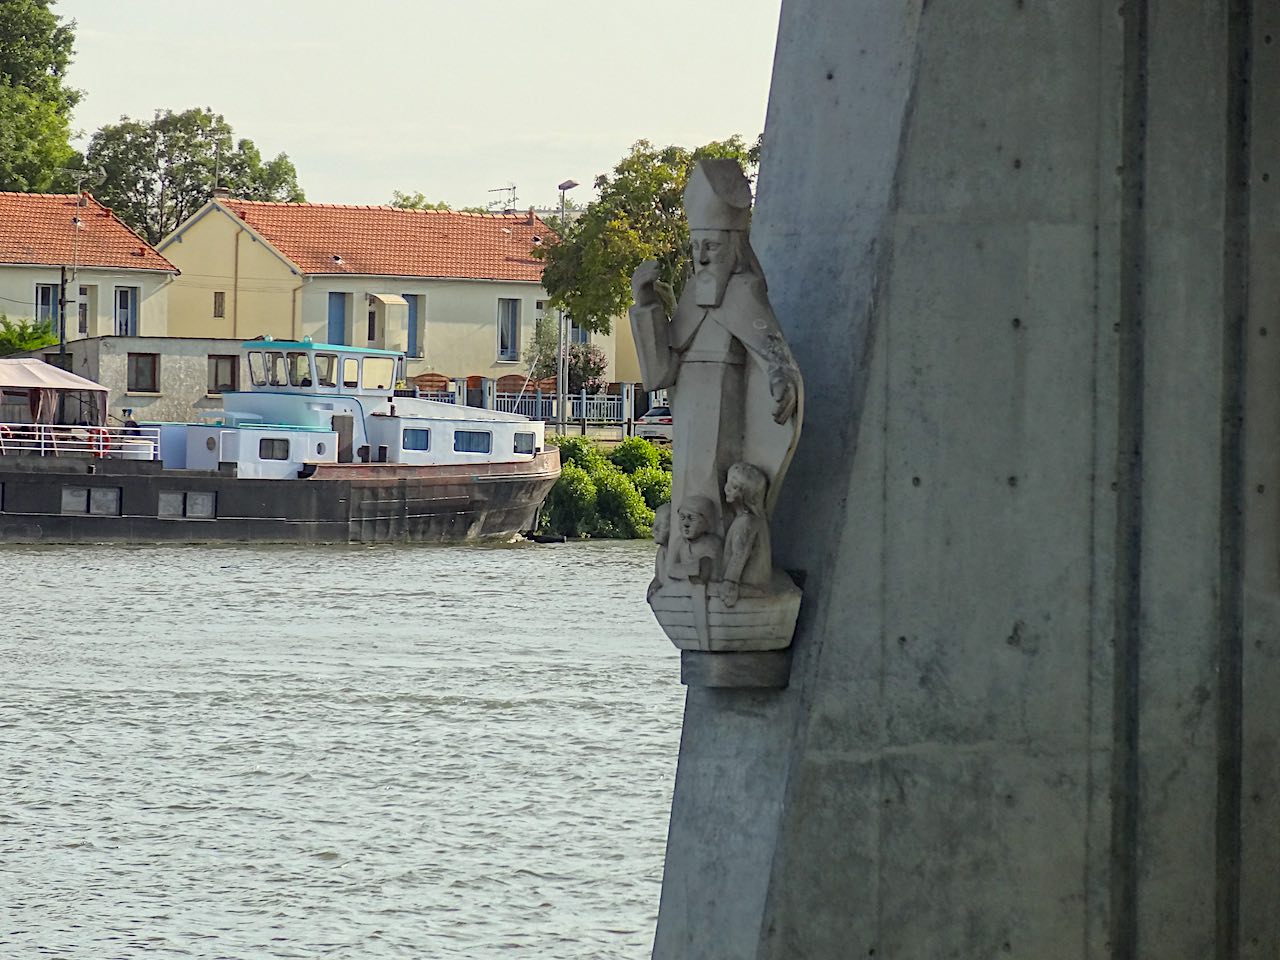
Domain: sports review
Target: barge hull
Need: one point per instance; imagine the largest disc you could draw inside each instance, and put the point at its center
(141, 502)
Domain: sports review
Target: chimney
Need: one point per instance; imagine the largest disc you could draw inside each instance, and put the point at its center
(221, 193)
(530, 220)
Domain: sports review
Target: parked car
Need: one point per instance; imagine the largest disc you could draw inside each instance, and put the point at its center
(655, 425)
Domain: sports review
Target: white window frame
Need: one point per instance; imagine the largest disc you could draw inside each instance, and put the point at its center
(404, 437)
(126, 325)
(82, 312)
(47, 313)
(509, 316)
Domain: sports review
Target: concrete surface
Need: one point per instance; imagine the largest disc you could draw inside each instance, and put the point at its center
(1027, 256)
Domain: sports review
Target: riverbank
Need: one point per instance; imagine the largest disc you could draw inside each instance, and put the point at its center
(607, 493)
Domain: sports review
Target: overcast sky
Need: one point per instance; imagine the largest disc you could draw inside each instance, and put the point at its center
(450, 97)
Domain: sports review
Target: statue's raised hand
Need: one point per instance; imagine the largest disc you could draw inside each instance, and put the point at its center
(642, 282)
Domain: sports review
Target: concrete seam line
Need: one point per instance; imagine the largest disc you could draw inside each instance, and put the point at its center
(1129, 436)
(1230, 641)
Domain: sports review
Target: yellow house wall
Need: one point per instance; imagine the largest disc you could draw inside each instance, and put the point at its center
(459, 319)
(216, 254)
(263, 296)
(18, 297)
(460, 323)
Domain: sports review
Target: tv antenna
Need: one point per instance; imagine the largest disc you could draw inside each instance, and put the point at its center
(509, 202)
(81, 176)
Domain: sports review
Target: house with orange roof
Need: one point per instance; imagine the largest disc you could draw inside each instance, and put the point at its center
(459, 293)
(69, 249)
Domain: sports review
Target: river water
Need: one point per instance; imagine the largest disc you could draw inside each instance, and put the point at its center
(355, 752)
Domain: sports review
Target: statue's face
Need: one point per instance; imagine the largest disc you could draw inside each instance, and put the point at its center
(733, 488)
(710, 249)
(713, 265)
(692, 523)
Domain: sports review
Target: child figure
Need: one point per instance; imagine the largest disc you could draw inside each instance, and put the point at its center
(748, 552)
(661, 535)
(699, 552)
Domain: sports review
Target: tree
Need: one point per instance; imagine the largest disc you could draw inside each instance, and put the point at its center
(418, 201)
(155, 175)
(415, 201)
(19, 336)
(587, 362)
(35, 103)
(638, 215)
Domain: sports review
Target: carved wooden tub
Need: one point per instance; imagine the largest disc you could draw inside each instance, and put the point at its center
(695, 617)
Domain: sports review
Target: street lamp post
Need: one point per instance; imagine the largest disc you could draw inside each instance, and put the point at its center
(562, 334)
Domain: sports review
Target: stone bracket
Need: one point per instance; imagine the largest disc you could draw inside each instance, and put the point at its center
(767, 669)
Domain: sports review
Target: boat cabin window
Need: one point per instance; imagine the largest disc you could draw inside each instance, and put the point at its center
(525, 442)
(277, 375)
(472, 441)
(327, 369)
(257, 373)
(299, 369)
(379, 372)
(273, 448)
(417, 439)
(351, 373)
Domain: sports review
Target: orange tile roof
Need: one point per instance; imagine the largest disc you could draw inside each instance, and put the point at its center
(38, 228)
(389, 242)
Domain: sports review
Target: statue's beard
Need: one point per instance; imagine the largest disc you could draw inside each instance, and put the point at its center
(709, 284)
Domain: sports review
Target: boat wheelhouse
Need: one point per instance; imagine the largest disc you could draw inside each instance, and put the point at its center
(310, 404)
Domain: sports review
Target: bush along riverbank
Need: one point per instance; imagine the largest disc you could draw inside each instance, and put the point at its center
(607, 495)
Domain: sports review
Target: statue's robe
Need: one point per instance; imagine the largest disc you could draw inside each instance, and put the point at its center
(714, 363)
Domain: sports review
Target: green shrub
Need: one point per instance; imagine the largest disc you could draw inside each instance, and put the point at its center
(664, 458)
(654, 485)
(570, 508)
(580, 451)
(19, 335)
(621, 512)
(633, 453)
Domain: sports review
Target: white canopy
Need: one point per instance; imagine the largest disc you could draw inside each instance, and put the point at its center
(35, 377)
(28, 373)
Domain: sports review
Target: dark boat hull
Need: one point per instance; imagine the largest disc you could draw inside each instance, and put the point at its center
(356, 503)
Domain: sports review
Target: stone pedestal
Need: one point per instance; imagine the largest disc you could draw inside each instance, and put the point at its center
(1028, 258)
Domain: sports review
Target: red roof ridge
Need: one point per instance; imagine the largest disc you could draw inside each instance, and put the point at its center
(42, 227)
(522, 215)
(382, 240)
(43, 196)
(114, 216)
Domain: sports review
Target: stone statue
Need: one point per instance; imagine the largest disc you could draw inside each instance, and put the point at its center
(699, 553)
(748, 559)
(661, 535)
(737, 403)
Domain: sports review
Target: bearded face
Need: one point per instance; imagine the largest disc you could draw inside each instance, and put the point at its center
(713, 264)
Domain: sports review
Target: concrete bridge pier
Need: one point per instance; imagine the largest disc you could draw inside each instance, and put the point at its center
(1028, 255)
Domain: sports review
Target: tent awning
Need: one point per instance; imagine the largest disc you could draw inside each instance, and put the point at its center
(29, 374)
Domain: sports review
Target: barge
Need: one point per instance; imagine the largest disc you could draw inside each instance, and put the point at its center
(318, 448)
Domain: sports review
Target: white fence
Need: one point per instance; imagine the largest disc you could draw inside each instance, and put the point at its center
(52, 440)
(535, 406)
(598, 409)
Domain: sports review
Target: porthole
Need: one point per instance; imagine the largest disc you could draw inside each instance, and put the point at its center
(210, 443)
(320, 449)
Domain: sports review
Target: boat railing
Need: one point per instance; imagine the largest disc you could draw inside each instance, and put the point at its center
(55, 439)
